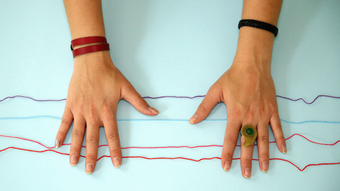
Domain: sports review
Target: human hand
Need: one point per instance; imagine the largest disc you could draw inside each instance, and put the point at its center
(249, 94)
(94, 91)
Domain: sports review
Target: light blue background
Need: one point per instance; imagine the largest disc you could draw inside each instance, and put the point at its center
(168, 48)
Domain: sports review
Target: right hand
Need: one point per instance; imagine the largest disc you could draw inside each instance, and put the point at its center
(94, 91)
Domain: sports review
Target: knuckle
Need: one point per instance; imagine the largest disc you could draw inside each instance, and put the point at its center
(93, 112)
(263, 138)
(264, 156)
(81, 108)
(92, 140)
(279, 126)
(230, 140)
(91, 157)
(235, 114)
(108, 115)
(202, 108)
(141, 101)
(106, 108)
(233, 117)
(77, 112)
(263, 111)
(66, 121)
(68, 103)
(75, 149)
(91, 119)
(77, 108)
(115, 152)
(61, 133)
(113, 136)
(276, 126)
(281, 138)
(216, 89)
(77, 133)
(247, 160)
(272, 107)
(250, 115)
(227, 156)
(129, 87)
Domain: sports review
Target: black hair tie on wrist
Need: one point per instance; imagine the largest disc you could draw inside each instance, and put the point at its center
(258, 24)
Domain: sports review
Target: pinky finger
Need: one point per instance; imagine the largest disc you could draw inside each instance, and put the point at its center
(65, 124)
(275, 124)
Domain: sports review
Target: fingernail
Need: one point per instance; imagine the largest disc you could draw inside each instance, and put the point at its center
(247, 173)
(153, 110)
(89, 168)
(193, 118)
(57, 143)
(73, 161)
(284, 149)
(226, 166)
(264, 167)
(116, 162)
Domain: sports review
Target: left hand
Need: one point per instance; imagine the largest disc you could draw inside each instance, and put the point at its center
(249, 94)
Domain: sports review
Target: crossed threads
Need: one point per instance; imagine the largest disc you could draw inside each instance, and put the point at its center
(50, 149)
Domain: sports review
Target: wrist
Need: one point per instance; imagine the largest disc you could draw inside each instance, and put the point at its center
(254, 48)
(93, 60)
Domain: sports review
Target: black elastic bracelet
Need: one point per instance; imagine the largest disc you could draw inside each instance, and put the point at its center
(258, 24)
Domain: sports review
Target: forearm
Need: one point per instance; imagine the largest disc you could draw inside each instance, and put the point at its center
(255, 44)
(85, 18)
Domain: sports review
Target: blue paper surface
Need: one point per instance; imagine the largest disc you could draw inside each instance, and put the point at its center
(177, 48)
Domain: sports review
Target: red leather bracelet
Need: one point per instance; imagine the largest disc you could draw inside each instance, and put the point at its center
(89, 49)
(88, 40)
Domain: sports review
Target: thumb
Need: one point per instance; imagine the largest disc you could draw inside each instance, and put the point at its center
(132, 96)
(203, 110)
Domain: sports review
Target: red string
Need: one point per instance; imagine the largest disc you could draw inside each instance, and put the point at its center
(171, 158)
(49, 149)
(167, 147)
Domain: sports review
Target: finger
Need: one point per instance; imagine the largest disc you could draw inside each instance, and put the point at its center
(263, 146)
(137, 101)
(246, 158)
(77, 140)
(208, 103)
(92, 140)
(230, 140)
(65, 124)
(275, 124)
(112, 137)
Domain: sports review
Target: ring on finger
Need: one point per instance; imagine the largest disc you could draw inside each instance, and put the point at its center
(249, 134)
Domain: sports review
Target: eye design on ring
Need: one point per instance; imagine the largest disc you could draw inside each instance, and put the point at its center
(249, 134)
